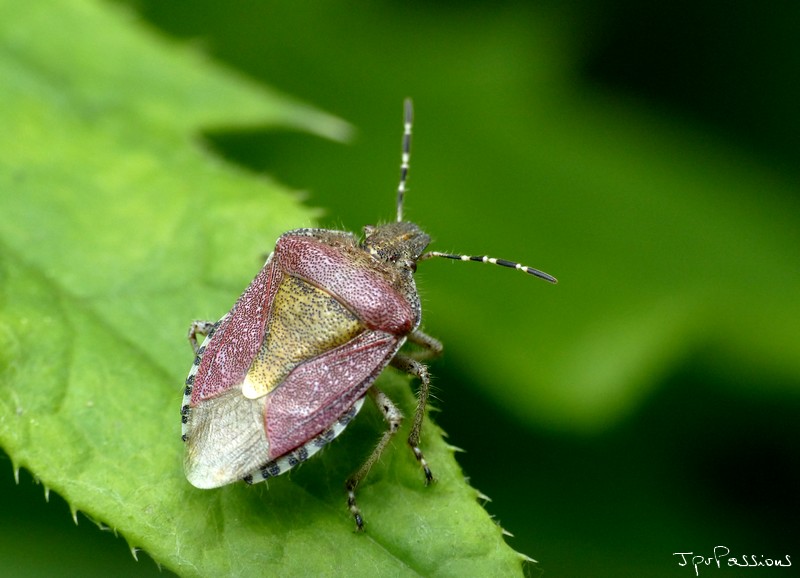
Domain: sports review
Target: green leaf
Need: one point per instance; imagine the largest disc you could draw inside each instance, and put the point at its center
(117, 229)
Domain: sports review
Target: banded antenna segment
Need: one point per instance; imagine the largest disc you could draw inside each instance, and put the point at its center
(493, 261)
(408, 120)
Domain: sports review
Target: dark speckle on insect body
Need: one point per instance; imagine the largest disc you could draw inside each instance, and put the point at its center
(270, 469)
(347, 417)
(324, 438)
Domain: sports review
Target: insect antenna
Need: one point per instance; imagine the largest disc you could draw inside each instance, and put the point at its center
(408, 119)
(493, 261)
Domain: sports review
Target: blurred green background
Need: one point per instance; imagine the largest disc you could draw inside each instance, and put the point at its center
(644, 154)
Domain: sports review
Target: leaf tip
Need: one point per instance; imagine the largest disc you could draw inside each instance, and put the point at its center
(525, 558)
(482, 497)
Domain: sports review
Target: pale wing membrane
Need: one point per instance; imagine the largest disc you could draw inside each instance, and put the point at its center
(227, 440)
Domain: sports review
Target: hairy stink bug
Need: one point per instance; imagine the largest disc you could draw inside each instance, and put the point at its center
(288, 367)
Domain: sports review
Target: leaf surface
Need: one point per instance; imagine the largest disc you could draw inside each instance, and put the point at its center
(118, 228)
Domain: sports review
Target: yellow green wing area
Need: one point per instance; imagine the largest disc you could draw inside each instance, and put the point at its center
(305, 321)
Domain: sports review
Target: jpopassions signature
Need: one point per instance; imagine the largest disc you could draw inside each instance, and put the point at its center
(720, 557)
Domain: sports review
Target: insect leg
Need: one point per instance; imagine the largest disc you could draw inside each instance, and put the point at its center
(394, 418)
(199, 328)
(415, 368)
(431, 347)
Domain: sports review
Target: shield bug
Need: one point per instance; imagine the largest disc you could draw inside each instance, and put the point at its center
(288, 367)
